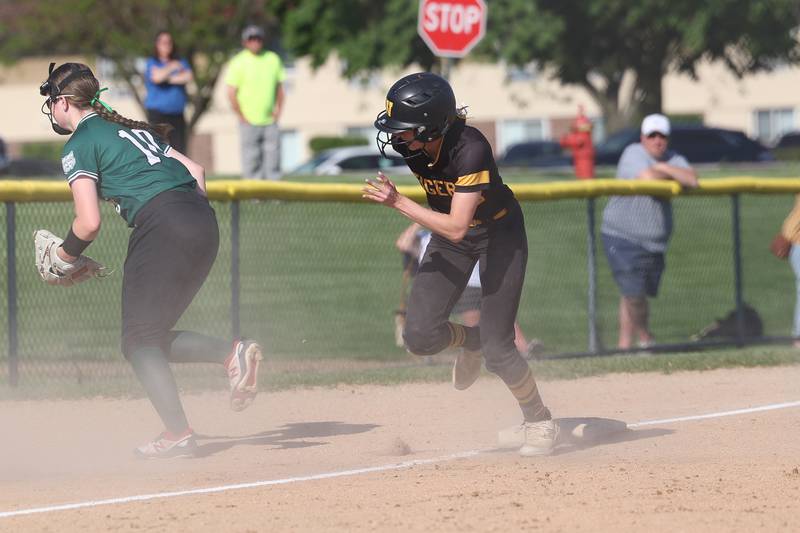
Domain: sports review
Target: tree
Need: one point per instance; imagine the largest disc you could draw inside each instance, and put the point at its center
(592, 43)
(206, 32)
(365, 34)
(595, 43)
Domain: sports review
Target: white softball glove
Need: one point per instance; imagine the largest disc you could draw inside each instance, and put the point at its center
(54, 270)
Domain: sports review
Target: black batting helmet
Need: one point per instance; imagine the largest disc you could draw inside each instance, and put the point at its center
(423, 103)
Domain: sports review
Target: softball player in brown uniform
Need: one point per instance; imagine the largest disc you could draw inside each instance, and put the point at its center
(474, 217)
(160, 193)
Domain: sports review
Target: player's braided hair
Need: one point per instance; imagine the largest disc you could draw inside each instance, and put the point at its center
(84, 93)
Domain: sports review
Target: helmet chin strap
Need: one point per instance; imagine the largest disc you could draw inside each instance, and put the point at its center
(59, 129)
(416, 153)
(53, 124)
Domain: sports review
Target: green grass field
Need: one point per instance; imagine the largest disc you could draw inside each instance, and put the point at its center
(322, 281)
(116, 380)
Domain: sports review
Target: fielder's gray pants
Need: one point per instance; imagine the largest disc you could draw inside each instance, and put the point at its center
(261, 151)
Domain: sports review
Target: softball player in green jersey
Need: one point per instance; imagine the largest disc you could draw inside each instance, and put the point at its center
(474, 218)
(160, 193)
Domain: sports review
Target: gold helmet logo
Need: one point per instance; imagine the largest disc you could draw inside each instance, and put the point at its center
(389, 105)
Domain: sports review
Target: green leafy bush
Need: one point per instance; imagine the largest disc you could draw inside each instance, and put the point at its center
(48, 151)
(686, 119)
(318, 144)
(789, 153)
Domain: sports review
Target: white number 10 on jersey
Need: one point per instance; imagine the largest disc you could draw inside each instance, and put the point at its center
(147, 146)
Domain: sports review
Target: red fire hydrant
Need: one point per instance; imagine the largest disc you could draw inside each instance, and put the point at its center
(579, 141)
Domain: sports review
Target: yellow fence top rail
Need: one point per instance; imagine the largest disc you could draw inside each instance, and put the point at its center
(229, 190)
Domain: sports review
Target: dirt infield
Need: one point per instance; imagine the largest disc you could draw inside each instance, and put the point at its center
(722, 473)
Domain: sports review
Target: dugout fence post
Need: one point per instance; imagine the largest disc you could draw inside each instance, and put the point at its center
(591, 259)
(737, 269)
(11, 270)
(235, 280)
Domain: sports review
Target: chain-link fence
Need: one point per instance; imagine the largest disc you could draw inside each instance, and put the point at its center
(323, 279)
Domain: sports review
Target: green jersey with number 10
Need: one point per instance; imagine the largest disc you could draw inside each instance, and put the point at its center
(130, 166)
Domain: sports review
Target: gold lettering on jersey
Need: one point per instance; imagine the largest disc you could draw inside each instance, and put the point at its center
(389, 106)
(437, 187)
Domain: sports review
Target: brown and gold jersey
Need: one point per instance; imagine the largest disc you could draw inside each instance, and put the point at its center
(464, 164)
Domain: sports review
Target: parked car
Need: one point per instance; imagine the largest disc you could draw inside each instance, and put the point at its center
(787, 148)
(27, 167)
(352, 159)
(698, 144)
(789, 139)
(535, 154)
(3, 156)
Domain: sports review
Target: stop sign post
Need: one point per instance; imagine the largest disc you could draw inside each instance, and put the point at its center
(451, 28)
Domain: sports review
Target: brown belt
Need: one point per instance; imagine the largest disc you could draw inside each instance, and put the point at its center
(497, 216)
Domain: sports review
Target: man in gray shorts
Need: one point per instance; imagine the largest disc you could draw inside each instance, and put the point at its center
(636, 229)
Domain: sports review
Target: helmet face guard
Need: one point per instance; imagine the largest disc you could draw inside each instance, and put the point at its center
(52, 91)
(389, 134)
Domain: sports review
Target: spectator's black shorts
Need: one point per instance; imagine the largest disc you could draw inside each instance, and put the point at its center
(637, 271)
(177, 137)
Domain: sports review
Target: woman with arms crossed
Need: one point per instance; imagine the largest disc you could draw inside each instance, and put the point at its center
(165, 77)
(474, 217)
(160, 193)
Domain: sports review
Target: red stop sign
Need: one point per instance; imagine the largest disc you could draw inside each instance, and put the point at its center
(451, 28)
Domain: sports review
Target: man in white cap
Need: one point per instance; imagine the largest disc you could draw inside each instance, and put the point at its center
(636, 229)
(255, 90)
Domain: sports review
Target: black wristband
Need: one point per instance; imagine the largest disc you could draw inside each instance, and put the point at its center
(74, 245)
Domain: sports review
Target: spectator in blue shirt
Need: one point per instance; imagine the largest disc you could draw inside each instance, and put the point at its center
(165, 78)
